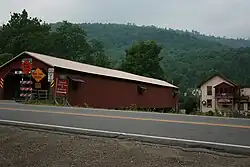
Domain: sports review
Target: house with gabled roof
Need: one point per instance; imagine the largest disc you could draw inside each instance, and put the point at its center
(221, 94)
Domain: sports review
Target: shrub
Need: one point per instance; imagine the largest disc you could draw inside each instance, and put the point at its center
(209, 113)
(217, 113)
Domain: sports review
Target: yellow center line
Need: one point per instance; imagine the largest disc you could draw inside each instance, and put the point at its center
(128, 118)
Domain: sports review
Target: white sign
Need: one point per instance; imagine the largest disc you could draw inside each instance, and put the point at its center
(51, 70)
(50, 74)
(18, 72)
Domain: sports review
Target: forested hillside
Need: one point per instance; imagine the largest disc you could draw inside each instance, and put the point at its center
(120, 35)
(234, 43)
(117, 38)
(184, 58)
(188, 57)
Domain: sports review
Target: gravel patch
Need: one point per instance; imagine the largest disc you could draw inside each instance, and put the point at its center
(28, 148)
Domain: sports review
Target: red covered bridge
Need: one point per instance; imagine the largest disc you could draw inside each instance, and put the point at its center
(87, 84)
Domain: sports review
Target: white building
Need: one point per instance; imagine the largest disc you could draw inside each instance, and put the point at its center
(221, 94)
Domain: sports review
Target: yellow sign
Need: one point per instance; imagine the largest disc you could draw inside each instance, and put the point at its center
(52, 84)
(38, 75)
(1, 82)
(38, 85)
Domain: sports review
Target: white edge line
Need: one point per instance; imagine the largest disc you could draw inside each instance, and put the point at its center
(125, 134)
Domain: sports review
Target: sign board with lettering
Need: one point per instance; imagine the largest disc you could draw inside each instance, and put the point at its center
(38, 85)
(38, 75)
(62, 87)
(26, 66)
(51, 74)
(51, 70)
(18, 72)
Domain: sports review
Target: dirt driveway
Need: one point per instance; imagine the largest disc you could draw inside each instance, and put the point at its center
(26, 148)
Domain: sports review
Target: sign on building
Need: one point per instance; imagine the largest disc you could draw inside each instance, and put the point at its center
(38, 85)
(38, 75)
(26, 66)
(52, 83)
(18, 72)
(1, 82)
(51, 74)
(62, 87)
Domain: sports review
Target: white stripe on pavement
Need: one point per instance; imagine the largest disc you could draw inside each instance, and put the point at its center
(122, 133)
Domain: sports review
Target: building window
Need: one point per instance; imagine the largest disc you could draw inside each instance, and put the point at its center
(141, 89)
(209, 103)
(241, 106)
(248, 106)
(75, 85)
(225, 90)
(209, 90)
(221, 90)
(72, 85)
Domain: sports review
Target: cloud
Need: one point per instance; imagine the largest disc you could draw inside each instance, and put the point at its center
(216, 17)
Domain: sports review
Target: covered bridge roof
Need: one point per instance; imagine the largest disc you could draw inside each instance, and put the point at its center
(91, 69)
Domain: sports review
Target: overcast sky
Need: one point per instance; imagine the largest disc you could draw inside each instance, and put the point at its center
(218, 17)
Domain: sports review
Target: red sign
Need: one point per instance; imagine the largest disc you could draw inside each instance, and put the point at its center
(26, 66)
(62, 87)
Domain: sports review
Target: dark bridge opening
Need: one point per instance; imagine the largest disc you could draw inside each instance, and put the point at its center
(11, 86)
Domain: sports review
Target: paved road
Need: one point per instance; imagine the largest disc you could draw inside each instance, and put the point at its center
(198, 128)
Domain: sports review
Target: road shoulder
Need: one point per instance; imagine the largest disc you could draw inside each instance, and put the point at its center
(23, 147)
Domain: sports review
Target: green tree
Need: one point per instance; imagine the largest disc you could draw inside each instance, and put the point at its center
(99, 54)
(191, 100)
(190, 104)
(70, 42)
(143, 58)
(5, 57)
(24, 33)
